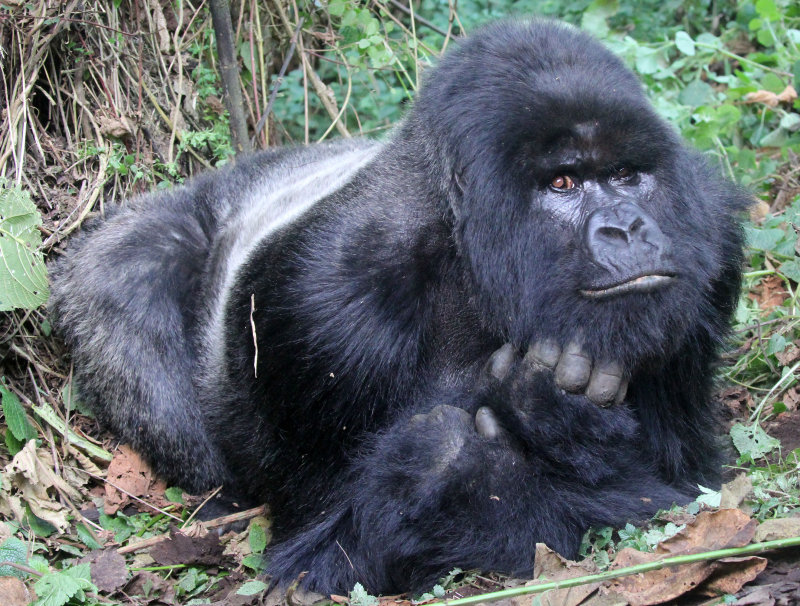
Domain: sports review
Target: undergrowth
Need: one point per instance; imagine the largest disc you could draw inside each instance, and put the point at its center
(107, 99)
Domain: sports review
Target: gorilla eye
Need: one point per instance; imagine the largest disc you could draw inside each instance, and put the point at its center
(563, 183)
(622, 173)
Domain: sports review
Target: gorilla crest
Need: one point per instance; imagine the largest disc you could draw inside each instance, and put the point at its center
(495, 329)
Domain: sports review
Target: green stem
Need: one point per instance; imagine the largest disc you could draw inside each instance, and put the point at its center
(156, 568)
(623, 572)
(742, 59)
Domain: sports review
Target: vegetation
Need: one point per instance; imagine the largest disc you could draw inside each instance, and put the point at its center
(104, 99)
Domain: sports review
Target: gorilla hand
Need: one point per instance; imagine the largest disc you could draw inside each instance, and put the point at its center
(603, 382)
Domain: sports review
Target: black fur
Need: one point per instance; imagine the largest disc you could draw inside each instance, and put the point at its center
(376, 308)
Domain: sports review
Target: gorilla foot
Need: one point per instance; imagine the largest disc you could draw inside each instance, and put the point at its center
(603, 381)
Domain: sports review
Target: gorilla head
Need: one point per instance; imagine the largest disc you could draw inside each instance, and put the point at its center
(561, 167)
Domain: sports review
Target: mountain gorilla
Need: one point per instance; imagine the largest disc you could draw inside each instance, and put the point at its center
(495, 329)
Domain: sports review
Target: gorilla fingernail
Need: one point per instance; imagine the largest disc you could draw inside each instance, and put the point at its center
(486, 423)
(501, 360)
(573, 369)
(604, 383)
(546, 352)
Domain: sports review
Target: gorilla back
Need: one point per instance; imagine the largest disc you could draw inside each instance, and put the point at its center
(496, 329)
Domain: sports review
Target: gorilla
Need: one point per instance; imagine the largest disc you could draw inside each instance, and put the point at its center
(497, 328)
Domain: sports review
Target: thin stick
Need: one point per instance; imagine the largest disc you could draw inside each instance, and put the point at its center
(624, 572)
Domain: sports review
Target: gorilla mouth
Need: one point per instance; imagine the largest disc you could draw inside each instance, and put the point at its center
(641, 284)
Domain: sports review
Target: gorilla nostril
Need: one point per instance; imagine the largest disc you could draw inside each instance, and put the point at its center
(636, 225)
(611, 234)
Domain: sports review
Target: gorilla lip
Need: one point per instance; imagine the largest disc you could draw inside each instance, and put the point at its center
(641, 284)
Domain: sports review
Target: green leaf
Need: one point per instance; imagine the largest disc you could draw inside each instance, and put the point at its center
(791, 121)
(752, 440)
(251, 588)
(16, 419)
(708, 496)
(647, 60)
(595, 15)
(257, 538)
(360, 597)
(768, 10)
(697, 93)
(13, 550)
(86, 537)
(791, 269)
(23, 278)
(57, 588)
(763, 239)
(775, 138)
(777, 343)
(778, 408)
(772, 82)
(765, 37)
(684, 43)
(336, 7)
(254, 561)
(13, 445)
(174, 494)
(39, 527)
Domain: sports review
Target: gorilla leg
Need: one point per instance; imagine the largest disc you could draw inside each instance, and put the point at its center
(122, 300)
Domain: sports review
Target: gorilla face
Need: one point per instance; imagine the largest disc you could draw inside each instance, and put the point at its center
(572, 175)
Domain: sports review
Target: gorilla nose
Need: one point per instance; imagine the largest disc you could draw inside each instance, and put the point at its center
(625, 240)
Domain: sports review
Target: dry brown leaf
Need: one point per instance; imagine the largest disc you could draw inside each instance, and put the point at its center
(31, 474)
(128, 472)
(182, 549)
(735, 492)
(710, 531)
(606, 598)
(770, 293)
(550, 566)
(782, 528)
(146, 583)
(759, 210)
(759, 597)
(115, 127)
(13, 592)
(108, 569)
(161, 26)
(731, 574)
(788, 95)
(788, 356)
(766, 97)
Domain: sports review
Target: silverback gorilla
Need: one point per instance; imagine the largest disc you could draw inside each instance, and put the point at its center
(497, 328)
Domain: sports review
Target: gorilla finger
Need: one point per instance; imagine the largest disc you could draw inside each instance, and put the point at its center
(604, 383)
(545, 352)
(486, 423)
(573, 369)
(500, 362)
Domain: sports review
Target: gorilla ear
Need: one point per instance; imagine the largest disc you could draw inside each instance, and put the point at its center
(458, 179)
(457, 195)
